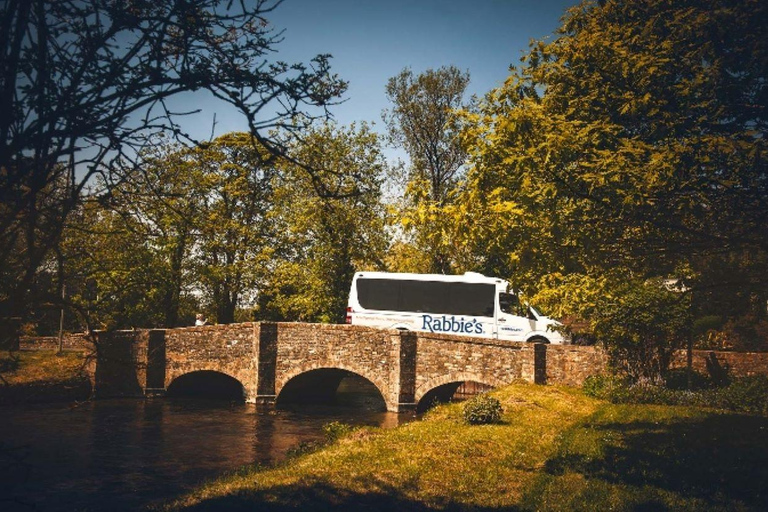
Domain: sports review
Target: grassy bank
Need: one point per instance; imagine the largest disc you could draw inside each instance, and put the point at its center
(555, 450)
(42, 376)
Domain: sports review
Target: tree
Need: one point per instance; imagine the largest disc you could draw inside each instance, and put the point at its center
(83, 84)
(194, 226)
(323, 240)
(422, 121)
(234, 228)
(163, 202)
(114, 278)
(635, 143)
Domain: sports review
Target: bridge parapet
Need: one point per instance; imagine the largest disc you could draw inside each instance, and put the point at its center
(264, 357)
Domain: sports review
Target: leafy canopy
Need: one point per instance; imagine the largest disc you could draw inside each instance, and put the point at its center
(631, 146)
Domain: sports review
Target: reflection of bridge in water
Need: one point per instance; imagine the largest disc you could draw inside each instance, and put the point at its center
(285, 362)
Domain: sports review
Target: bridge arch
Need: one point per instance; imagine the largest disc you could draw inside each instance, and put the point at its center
(322, 381)
(442, 388)
(207, 384)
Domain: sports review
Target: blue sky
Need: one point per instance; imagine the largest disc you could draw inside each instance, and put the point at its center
(373, 40)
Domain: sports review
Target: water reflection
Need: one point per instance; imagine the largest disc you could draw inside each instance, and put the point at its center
(124, 454)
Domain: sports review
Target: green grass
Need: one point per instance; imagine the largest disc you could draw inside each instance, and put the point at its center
(42, 376)
(40, 366)
(556, 449)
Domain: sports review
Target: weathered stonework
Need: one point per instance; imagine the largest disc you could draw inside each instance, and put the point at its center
(739, 364)
(442, 359)
(70, 341)
(571, 364)
(404, 366)
(228, 349)
(121, 363)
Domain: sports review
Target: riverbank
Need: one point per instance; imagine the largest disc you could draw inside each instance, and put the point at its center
(43, 376)
(556, 449)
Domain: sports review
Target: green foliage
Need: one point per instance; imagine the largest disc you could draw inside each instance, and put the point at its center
(322, 240)
(234, 232)
(482, 410)
(195, 218)
(335, 430)
(678, 378)
(111, 270)
(744, 395)
(85, 93)
(641, 325)
(632, 146)
(423, 121)
(706, 323)
(602, 386)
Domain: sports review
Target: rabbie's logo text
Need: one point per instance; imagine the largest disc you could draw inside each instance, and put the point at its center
(451, 324)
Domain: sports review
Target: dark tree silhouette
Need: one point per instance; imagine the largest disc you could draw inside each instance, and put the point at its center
(84, 84)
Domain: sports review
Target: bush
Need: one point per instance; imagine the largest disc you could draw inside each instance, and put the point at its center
(640, 323)
(603, 386)
(678, 379)
(746, 394)
(482, 409)
(335, 430)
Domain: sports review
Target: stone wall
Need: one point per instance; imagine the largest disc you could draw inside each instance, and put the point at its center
(229, 349)
(571, 364)
(71, 341)
(404, 366)
(121, 364)
(442, 359)
(739, 364)
(371, 353)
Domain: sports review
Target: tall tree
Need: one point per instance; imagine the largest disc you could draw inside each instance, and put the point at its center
(324, 240)
(235, 237)
(83, 84)
(113, 274)
(164, 201)
(633, 145)
(423, 122)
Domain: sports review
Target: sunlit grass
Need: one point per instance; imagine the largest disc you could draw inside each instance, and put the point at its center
(43, 376)
(555, 449)
(434, 462)
(26, 368)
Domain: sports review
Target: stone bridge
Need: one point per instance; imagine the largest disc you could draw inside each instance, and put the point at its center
(273, 360)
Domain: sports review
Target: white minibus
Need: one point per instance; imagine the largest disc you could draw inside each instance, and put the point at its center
(469, 305)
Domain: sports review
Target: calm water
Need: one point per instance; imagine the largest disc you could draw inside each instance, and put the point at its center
(126, 454)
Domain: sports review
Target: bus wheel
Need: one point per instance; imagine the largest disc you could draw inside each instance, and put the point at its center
(539, 339)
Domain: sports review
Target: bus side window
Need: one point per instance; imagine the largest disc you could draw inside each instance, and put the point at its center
(509, 303)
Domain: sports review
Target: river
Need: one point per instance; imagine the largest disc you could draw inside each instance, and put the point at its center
(124, 454)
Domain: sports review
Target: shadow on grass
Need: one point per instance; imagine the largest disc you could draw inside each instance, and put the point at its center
(8, 363)
(316, 495)
(720, 459)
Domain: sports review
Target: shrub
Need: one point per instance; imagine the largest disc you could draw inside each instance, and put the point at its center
(745, 394)
(647, 323)
(335, 430)
(678, 379)
(482, 409)
(603, 385)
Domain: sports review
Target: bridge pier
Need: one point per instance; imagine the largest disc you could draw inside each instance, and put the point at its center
(267, 401)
